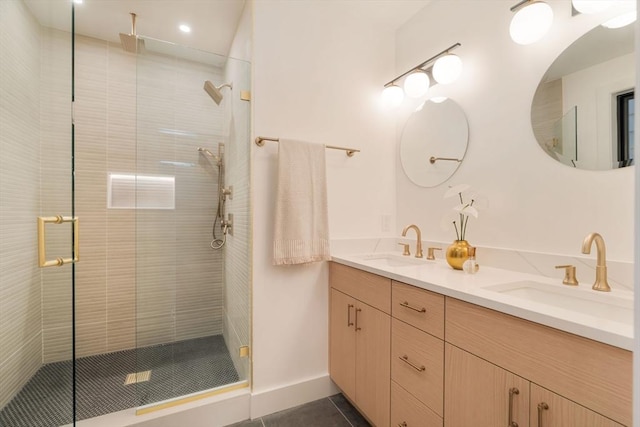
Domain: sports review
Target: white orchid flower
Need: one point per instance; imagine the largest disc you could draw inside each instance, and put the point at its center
(467, 210)
(456, 190)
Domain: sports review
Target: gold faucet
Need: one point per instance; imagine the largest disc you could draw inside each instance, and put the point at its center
(601, 261)
(419, 242)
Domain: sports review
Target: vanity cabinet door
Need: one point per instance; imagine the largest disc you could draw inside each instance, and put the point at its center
(342, 343)
(373, 363)
(359, 355)
(552, 410)
(479, 394)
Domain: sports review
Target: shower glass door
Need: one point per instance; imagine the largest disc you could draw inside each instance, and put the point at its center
(36, 182)
(192, 293)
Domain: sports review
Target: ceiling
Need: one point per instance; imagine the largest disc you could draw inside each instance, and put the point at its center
(213, 22)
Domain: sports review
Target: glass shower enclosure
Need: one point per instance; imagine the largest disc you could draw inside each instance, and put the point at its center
(116, 171)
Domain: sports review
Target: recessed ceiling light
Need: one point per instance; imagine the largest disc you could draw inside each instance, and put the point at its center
(78, 1)
(185, 28)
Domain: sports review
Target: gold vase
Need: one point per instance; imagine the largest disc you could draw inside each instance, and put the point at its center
(458, 253)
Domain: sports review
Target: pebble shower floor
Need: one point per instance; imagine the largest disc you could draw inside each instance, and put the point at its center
(177, 369)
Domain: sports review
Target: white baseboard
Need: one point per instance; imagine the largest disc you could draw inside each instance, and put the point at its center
(287, 396)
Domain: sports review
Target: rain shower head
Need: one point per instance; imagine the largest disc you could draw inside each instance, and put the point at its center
(131, 42)
(214, 92)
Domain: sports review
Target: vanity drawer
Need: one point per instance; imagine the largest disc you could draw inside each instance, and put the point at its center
(417, 364)
(369, 288)
(418, 307)
(407, 411)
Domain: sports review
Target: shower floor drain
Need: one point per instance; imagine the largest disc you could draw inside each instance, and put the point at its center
(138, 377)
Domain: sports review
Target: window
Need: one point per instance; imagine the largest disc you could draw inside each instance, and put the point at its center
(625, 118)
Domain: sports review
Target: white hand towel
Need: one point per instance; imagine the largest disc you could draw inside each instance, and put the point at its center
(302, 220)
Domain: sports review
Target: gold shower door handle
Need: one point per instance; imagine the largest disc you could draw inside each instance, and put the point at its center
(42, 256)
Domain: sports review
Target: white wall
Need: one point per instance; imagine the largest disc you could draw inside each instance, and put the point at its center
(318, 70)
(534, 202)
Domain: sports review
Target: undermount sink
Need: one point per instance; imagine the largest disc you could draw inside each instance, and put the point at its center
(604, 306)
(392, 260)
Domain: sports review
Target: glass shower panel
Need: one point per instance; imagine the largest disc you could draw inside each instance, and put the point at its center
(565, 141)
(36, 304)
(188, 151)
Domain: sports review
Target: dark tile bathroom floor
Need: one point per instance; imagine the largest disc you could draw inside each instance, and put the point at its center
(333, 411)
(176, 369)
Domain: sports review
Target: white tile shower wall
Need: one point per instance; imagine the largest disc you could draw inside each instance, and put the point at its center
(20, 293)
(150, 268)
(179, 276)
(535, 204)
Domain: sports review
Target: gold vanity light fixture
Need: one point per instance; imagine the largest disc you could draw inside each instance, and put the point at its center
(531, 22)
(589, 7)
(444, 67)
(622, 20)
(628, 14)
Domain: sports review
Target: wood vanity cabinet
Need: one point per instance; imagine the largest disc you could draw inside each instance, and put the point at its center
(409, 357)
(360, 340)
(591, 381)
(490, 395)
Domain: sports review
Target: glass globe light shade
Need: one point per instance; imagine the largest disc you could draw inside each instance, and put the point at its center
(531, 23)
(392, 96)
(621, 20)
(447, 69)
(589, 7)
(416, 84)
(438, 99)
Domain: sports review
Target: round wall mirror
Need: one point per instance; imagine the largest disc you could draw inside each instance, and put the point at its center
(582, 111)
(434, 142)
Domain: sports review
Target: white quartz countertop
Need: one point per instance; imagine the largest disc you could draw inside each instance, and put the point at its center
(604, 317)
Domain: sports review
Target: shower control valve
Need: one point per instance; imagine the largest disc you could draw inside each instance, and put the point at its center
(227, 192)
(227, 224)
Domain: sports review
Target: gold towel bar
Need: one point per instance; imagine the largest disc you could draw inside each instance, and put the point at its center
(350, 151)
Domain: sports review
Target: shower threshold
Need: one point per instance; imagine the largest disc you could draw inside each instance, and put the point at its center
(180, 369)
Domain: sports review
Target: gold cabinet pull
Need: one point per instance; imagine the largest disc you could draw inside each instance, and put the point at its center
(419, 310)
(512, 391)
(358, 310)
(349, 322)
(406, 360)
(542, 406)
(58, 262)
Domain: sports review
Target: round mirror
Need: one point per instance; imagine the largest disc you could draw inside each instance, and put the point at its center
(434, 142)
(582, 111)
